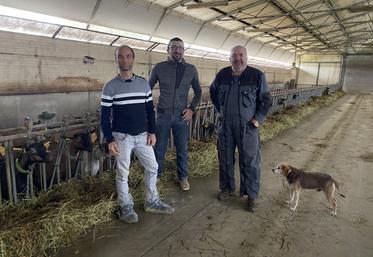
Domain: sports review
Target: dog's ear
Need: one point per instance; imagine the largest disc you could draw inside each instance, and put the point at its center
(291, 168)
(287, 169)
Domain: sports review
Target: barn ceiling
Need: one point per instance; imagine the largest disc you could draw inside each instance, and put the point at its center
(271, 29)
(322, 26)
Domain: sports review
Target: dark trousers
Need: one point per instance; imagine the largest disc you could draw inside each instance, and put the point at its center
(246, 139)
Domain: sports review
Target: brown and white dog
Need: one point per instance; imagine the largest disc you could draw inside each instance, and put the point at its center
(299, 179)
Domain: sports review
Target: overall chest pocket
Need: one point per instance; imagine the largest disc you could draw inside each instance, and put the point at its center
(248, 96)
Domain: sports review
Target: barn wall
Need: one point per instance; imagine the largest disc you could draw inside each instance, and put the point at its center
(43, 74)
(319, 70)
(359, 74)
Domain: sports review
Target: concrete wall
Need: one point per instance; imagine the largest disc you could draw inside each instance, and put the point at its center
(359, 74)
(319, 70)
(42, 74)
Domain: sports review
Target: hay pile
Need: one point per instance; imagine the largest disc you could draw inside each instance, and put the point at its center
(39, 226)
(291, 116)
(202, 160)
(42, 225)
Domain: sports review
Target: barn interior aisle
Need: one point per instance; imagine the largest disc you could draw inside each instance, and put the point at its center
(334, 140)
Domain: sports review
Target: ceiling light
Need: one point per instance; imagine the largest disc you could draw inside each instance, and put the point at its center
(360, 8)
(17, 13)
(119, 32)
(159, 40)
(207, 4)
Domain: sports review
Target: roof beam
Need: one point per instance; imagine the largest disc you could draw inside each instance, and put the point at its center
(339, 21)
(94, 12)
(283, 10)
(322, 26)
(247, 24)
(299, 12)
(224, 14)
(167, 10)
(243, 8)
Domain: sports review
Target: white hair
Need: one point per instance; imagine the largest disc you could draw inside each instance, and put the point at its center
(237, 47)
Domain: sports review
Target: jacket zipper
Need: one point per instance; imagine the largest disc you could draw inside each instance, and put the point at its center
(174, 92)
(226, 100)
(243, 126)
(225, 123)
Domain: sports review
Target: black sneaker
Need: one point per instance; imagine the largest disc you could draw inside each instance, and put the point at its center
(250, 204)
(224, 195)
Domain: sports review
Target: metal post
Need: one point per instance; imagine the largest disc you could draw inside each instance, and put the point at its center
(318, 74)
(68, 159)
(30, 177)
(342, 72)
(44, 170)
(8, 172)
(56, 170)
(196, 124)
(13, 171)
(297, 73)
(59, 169)
(43, 176)
(79, 165)
(90, 164)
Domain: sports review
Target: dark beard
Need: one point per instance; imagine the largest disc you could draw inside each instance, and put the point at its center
(176, 59)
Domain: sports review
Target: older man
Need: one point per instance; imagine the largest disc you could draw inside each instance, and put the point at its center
(128, 124)
(241, 96)
(175, 78)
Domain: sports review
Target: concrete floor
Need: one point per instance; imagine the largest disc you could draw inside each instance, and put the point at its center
(332, 141)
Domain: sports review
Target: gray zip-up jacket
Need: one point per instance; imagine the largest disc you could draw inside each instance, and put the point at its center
(175, 79)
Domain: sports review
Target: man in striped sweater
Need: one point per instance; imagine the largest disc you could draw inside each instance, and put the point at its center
(128, 124)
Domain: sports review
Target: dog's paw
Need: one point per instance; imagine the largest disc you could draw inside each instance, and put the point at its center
(288, 202)
(293, 208)
(333, 213)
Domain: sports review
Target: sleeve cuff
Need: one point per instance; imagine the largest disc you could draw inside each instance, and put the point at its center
(151, 131)
(109, 140)
(193, 108)
(260, 119)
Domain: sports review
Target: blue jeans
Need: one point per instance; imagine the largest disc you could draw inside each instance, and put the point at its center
(145, 153)
(180, 131)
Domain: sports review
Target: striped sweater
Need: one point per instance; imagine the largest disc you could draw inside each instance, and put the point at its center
(127, 107)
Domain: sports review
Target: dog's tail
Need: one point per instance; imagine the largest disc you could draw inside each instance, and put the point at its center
(337, 186)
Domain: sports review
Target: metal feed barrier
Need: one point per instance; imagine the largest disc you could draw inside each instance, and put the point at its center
(61, 167)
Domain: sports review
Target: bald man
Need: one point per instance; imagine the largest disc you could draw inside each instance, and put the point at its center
(241, 96)
(128, 125)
